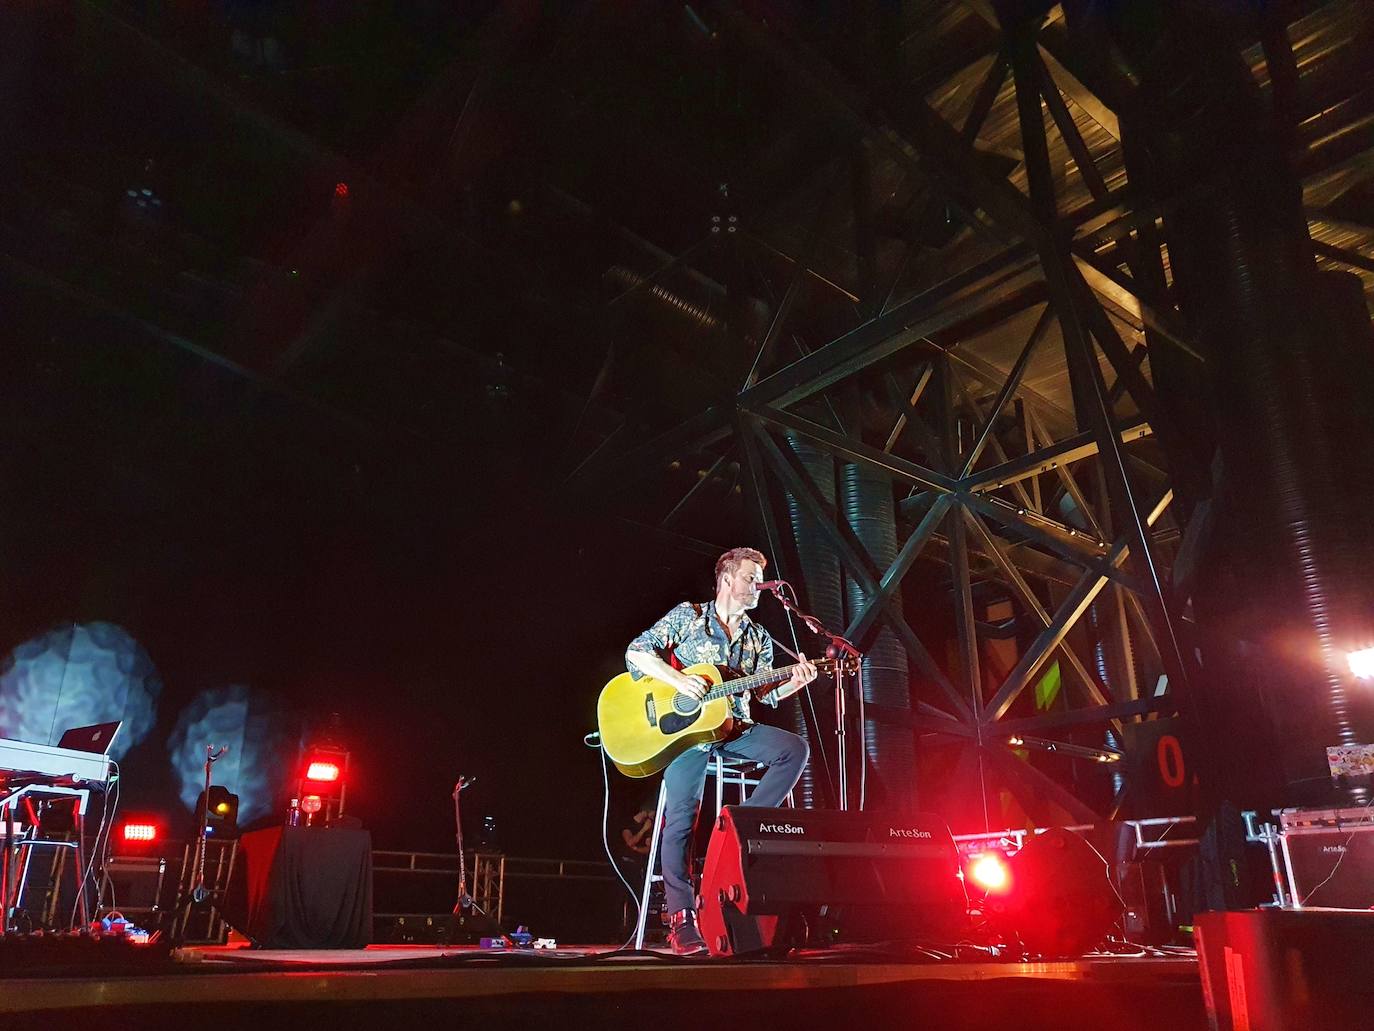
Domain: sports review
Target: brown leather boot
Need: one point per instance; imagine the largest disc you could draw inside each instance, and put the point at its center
(683, 935)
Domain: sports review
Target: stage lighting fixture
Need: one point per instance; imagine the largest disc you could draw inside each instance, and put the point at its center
(222, 812)
(988, 870)
(322, 772)
(137, 835)
(1061, 901)
(323, 778)
(1362, 663)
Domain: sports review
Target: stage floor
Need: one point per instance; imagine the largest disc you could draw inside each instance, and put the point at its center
(597, 987)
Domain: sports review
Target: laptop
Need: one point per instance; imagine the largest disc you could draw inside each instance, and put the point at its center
(96, 738)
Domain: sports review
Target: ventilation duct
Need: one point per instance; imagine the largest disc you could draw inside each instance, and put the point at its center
(820, 571)
(867, 503)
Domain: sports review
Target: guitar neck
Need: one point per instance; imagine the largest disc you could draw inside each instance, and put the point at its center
(742, 684)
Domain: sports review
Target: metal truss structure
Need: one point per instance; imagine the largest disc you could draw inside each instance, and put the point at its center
(1059, 517)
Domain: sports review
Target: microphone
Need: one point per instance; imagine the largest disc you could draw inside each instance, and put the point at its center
(771, 585)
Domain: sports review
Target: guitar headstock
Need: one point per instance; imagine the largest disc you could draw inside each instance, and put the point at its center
(841, 664)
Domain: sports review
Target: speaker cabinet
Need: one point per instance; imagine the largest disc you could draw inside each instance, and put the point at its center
(1331, 867)
(774, 876)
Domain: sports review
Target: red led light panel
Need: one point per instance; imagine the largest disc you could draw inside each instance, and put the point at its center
(322, 772)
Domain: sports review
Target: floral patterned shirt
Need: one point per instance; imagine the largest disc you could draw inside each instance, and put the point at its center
(693, 633)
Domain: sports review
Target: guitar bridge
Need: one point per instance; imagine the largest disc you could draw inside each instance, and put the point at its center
(651, 710)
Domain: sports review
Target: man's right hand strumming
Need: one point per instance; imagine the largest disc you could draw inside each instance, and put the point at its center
(691, 687)
(655, 667)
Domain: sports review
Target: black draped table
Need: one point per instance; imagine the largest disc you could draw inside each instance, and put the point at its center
(309, 887)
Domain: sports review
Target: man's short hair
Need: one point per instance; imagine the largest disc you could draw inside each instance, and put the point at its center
(730, 561)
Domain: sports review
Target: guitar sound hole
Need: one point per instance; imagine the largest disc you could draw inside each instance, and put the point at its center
(683, 705)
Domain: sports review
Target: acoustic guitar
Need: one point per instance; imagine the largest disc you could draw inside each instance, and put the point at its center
(645, 724)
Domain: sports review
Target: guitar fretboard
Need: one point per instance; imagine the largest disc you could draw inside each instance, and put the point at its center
(769, 676)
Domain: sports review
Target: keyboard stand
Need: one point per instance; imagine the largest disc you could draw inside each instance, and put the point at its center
(12, 876)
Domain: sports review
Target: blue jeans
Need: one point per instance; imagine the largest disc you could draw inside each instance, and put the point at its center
(784, 754)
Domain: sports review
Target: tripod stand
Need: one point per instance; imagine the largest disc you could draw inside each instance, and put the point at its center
(465, 904)
(470, 921)
(198, 896)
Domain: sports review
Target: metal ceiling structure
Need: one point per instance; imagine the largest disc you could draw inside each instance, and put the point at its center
(668, 257)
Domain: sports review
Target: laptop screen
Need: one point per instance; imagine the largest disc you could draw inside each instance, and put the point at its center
(96, 738)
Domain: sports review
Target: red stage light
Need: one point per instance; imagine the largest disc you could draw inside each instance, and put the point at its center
(322, 772)
(312, 804)
(139, 832)
(341, 189)
(989, 871)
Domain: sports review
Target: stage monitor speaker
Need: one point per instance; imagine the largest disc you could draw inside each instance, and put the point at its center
(136, 884)
(1331, 866)
(854, 876)
(1061, 901)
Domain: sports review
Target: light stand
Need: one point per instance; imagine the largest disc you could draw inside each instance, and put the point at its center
(839, 647)
(197, 894)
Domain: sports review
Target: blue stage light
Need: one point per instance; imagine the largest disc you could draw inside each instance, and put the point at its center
(261, 747)
(74, 676)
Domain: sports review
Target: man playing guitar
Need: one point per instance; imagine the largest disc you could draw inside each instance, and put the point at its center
(720, 632)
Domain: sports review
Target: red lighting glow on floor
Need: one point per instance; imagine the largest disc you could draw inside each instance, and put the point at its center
(989, 871)
(322, 772)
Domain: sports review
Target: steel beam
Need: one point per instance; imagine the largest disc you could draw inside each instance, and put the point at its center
(1096, 694)
(1066, 452)
(939, 308)
(1085, 98)
(852, 557)
(686, 498)
(891, 580)
(1137, 310)
(1073, 139)
(1087, 716)
(848, 448)
(985, 97)
(908, 409)
(964, 618)
(1018, 370)
(792, 294)
(1070, 610)
(698, 432)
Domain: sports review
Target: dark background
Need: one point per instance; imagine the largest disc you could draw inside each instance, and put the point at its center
(378, 526)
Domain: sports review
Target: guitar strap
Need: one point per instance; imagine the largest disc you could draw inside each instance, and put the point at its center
(671, 657)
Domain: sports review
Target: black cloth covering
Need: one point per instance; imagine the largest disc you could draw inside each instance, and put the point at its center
(309, 887)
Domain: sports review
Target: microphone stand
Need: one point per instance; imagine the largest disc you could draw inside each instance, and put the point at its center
(838, 648)
(465, 903)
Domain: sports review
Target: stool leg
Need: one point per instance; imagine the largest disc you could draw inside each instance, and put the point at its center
(80, 871)
(720, 783)
(649, 870)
